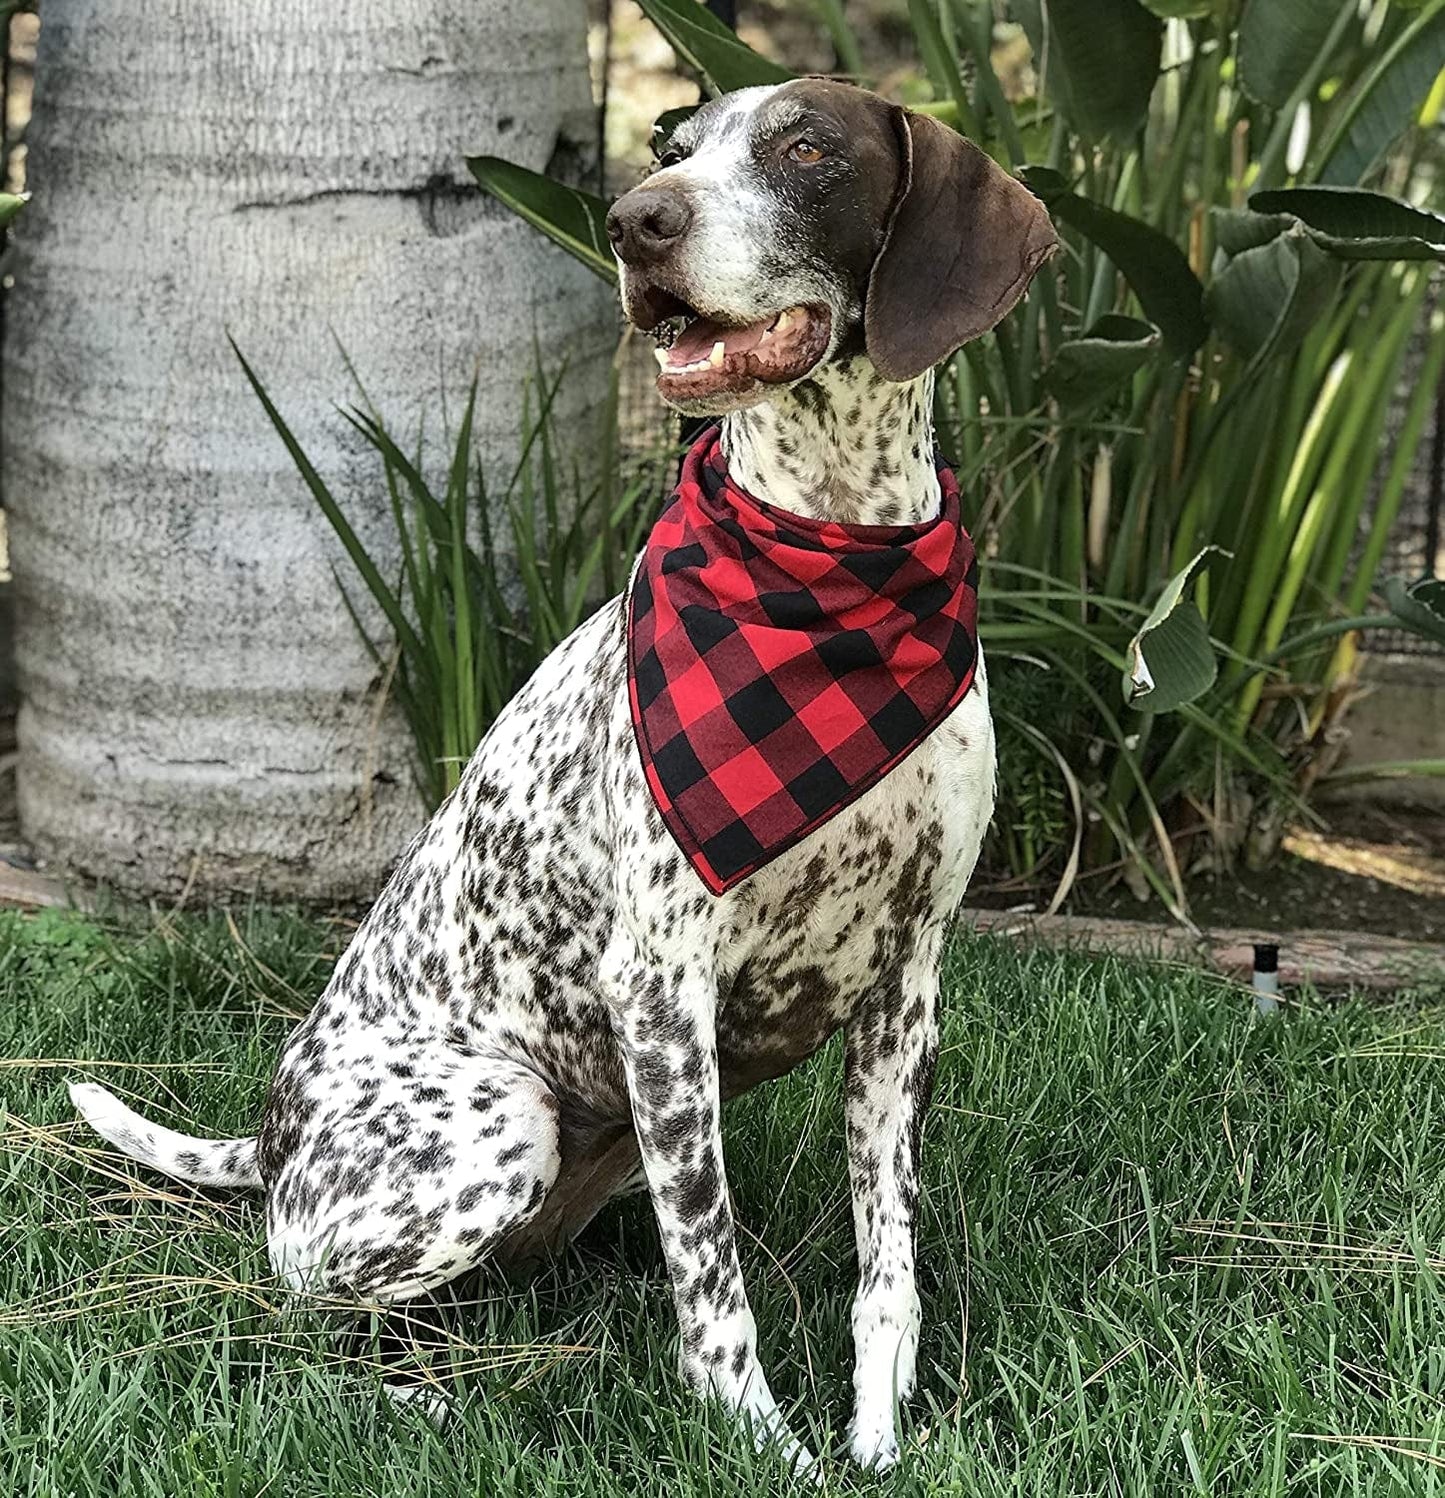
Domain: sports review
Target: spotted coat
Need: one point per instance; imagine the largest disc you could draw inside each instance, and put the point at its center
(546, 1007)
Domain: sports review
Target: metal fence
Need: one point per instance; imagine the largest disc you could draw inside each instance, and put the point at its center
(1414, 549)
(1417, 542)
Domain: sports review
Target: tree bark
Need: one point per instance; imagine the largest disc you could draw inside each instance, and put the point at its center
(196, 706)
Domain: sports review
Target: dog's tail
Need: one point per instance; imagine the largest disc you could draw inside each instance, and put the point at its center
(203, 1162)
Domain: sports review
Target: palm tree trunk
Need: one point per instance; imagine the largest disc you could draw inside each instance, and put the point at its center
(196, 705)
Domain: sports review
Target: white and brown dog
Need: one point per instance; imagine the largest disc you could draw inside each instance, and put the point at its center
(546, 1007)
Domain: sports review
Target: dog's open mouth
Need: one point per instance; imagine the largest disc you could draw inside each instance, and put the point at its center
(708, 357)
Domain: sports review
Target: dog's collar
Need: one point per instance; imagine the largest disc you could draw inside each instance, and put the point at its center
(779, 666)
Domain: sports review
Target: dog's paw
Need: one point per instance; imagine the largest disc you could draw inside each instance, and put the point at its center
(423, 1399)
(770, 1433)
(873, 1445)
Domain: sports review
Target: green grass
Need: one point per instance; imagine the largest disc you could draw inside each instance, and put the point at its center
(1174, 1248)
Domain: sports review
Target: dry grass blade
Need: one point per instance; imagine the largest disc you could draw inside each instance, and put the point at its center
(1076, 801)
(51, 1063)
(1360, 1256)
(797, 1299)
(924, 1433)
(57, 1140)
(830, 1211)
(1395, 1445)
(804, 1135)
(152, 1292)
(1401, 1053)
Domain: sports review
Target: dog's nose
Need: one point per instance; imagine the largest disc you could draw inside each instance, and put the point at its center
(645, 224)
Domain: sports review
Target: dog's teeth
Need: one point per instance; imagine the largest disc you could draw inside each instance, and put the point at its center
(660, 354)
(719, 351)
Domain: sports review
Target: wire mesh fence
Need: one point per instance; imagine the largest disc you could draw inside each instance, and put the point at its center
(1414, 549)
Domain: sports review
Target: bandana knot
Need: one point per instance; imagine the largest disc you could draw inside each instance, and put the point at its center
(779, 666)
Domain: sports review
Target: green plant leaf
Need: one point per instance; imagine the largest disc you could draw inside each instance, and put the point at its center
(381, 591)
(845, 43)
(1278, 41)
(1266, 299)
(1358, 225)
(1392, 769)
(11, 204)
(1154, 266)
(942, 67)
(705, 45)
(1089, 369)
(1170, 662)
(1239, 229)
(1099, 59)
(1384, 100)
(569, 217)
(1419, 606)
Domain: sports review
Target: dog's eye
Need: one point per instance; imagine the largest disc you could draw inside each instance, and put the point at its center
(804, 152)
(669, 157)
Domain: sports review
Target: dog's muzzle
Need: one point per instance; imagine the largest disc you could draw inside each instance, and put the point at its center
(703, 352)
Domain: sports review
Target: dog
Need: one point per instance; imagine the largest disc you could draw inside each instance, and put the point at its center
(546, 1006)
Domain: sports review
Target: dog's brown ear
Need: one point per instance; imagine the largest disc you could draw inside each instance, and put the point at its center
(962, 243)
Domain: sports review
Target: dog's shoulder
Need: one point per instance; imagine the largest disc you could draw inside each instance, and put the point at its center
(556, 727)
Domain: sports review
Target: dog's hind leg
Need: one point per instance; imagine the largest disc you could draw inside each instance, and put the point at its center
(404, 1170)
(599, 1164)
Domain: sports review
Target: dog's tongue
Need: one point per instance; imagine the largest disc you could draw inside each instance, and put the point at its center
(698, 339)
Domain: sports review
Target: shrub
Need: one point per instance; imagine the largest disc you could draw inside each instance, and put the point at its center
(1186, 413)
(469, 621)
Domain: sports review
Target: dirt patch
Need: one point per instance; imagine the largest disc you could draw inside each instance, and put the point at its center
(1375, 868)
(1330, 961)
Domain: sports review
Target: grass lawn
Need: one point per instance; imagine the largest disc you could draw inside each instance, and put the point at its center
(1167, 1247)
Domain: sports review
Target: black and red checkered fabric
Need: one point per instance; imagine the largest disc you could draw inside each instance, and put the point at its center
(779, 666)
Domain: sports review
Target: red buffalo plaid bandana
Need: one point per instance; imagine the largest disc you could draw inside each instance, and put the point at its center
(779, 666)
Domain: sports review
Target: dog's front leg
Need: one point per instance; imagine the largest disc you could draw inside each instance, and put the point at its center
(892, 1045)
(664, 1018)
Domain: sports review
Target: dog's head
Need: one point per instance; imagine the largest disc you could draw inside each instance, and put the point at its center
(787, 225)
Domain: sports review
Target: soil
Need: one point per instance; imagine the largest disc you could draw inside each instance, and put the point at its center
(1375, 868)
(1301, 891)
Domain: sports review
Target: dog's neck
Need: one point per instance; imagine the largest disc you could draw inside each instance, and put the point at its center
(844, 444)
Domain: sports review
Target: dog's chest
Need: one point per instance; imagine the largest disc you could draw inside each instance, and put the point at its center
(831, 924)
(497, 921)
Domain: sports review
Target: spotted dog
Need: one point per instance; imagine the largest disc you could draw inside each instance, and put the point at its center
(546, 1007)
